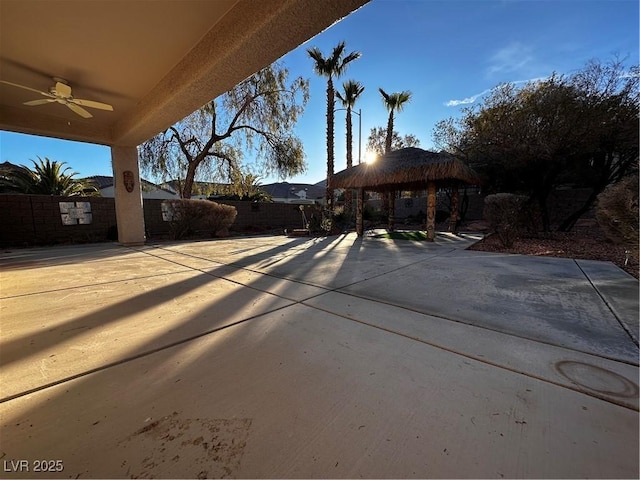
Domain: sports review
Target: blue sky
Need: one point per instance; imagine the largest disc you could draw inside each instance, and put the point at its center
(448, 53)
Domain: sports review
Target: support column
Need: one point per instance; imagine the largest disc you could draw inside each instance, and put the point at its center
(360, 212)
(348, 204)
(453, 220)
(128, 195)
(392, 211)
(431, 211)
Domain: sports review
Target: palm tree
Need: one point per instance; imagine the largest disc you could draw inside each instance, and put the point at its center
(47, 178)
(332, 66)
(352, 91)
(394, 102)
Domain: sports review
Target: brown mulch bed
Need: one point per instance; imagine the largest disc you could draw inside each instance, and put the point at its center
(582, 243)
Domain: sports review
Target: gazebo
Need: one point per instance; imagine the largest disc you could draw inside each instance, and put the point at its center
(407, 169)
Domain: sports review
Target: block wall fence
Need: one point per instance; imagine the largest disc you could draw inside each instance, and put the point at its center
(27, 220)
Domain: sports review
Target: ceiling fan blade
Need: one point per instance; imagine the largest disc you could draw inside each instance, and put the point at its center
(39, 102)
(79, 110)
(46, 94)
(92, 104)
(63, 90)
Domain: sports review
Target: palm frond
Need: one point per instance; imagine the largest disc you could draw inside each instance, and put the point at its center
(385, 95)
(320, 66)
(352, 90)
(402, 99)
(334, 64)
(337, 52)
(395, 101)
(47, 178)
(351, 57)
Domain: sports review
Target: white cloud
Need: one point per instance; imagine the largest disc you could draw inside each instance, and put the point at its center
(510, 59)
(473, 98)
(513, 60)
(466, 101)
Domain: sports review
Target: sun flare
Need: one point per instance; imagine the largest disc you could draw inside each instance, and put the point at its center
(370, 156)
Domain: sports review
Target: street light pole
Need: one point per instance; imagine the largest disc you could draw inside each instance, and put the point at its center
(359, 134)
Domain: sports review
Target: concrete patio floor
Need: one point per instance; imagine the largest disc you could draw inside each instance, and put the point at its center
(338, 357)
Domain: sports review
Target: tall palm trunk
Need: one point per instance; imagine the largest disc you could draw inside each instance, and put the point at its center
(387, 141)
(348, 193)
(329, 196)
(351, 91)
(388, 198)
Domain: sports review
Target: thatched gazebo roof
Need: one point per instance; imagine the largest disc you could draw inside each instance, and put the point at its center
(405, 169)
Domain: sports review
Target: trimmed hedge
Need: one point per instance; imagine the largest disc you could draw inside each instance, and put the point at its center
(190, 217)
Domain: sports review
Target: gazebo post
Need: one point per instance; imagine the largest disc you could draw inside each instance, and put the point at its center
(431, 211)
(453, 221)
(359, 212)
(392, 211)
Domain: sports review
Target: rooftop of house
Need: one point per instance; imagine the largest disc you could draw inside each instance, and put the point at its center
(106, 181)
(292, 190)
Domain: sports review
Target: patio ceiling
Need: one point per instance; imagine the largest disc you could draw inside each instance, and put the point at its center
(153, 61)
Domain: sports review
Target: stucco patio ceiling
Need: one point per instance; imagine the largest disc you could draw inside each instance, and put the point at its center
(153, 61)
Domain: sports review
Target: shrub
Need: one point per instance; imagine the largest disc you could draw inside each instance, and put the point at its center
(340, 220)
(617, 211)
(186, 217)
(320, 221)
(504, 212)
(531, 219)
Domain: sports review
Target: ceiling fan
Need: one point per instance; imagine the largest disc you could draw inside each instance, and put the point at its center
(61, 93)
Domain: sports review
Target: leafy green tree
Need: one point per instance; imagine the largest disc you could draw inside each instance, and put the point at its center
(579, 130)
(378, 137)
(611, 109)
(352, 90)
(331, 66)
(256, 115)
(47, 178)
